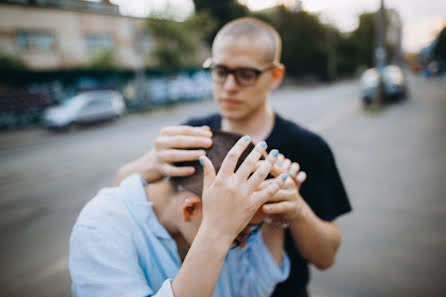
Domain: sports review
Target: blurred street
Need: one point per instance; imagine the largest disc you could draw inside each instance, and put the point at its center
(392, 163)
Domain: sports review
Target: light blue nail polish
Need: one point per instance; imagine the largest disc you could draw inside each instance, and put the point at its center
(284, 177)
(263, 144)
(275, 153)
(290, 173)
(201, 161)
(278, 164)
(246, 138)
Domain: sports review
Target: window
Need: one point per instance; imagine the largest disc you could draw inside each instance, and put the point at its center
(34, 41)
(95, 42)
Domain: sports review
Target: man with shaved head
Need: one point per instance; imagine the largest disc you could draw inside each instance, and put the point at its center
(245, 67)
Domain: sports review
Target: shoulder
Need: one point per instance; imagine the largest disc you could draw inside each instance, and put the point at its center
(109, 209)
(212, 121)
(298, 137)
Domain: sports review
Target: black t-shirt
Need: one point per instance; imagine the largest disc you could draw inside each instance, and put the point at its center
(322, 190)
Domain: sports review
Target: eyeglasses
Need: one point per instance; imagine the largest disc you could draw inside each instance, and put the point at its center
(244, 76)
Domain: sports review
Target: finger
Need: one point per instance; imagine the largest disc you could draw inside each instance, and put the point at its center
(294, 169)
(171, 170)
(208, 172)
(262, 172)
(286, 164)
(301, 177)
(186, 130)
(264, 184)
(182, 141)
(172, 155)
(277, 208)
(249, 164)
(283, 195)
(280, 160)
(268, 193)
(230, 162)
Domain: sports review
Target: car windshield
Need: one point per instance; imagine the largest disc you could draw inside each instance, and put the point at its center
(393, 74)
(74, 102)
(370, 77)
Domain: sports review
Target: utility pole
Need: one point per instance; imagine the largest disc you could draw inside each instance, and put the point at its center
(380, 53)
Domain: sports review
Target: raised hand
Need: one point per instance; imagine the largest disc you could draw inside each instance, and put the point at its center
(230, 199)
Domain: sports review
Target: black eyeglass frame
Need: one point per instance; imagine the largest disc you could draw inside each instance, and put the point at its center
(209, 65)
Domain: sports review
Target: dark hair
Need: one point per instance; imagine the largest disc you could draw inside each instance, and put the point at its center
(222, 143)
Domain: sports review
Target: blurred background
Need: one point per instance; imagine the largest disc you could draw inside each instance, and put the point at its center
(85, 86)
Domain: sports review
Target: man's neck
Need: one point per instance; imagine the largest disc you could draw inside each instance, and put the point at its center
(258, 125)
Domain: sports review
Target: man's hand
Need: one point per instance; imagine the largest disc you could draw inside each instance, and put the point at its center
(174, 144)
(287, 201)
(230, 199)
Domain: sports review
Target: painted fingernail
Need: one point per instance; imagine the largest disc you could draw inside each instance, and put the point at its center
(290, 173)
(263, 144)
(278, 164)
(284, 177)
(201, 161)
(246, 138)
(275, 153)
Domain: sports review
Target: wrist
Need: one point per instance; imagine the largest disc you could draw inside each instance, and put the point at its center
(300, 214)
(211, 234)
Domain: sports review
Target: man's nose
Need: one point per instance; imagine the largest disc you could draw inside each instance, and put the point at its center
(230, 83)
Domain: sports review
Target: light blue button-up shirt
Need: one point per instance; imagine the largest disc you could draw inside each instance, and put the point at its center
(119, 248)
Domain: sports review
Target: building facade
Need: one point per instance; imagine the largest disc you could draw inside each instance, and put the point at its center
(61, 34)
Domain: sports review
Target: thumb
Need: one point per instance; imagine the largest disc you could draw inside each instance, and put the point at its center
(208, 172)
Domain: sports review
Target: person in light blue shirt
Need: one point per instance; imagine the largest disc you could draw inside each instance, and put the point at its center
(183, 236)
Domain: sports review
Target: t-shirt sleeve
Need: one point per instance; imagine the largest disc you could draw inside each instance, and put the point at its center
(102, 267)
(324, 190)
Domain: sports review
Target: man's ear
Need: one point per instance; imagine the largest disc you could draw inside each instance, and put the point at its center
(191, 206)
(277, 73)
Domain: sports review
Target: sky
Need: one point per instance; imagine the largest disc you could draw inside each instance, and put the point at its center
(422, 20)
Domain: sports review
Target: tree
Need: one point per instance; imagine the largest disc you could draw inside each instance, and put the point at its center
(103, 60)
(440, 46)
(177, 44)
(221, 11)
(10, 62)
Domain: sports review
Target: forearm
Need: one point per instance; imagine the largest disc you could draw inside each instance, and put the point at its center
(143, 166)
(201, 268)
(316, 240)
(274, 239)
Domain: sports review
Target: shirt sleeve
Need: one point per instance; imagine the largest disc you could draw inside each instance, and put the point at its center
(258, 273)
(102, 267)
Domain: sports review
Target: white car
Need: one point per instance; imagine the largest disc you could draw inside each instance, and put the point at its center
(84, 108)
(395, 85)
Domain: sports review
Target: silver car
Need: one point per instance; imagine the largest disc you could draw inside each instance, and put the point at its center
(395, 85)
(84, 108)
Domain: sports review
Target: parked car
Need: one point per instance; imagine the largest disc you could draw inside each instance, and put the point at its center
(84, 108)
(395, 86)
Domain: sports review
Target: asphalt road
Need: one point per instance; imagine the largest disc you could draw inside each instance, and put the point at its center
(391, 161)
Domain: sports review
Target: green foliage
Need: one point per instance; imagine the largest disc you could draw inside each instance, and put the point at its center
(178, 43)
(103, 60)
(222, 11)
(440, 47)
(304, 41)
(11, 62)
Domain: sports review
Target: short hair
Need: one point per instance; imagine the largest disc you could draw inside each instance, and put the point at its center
(254, 28)
(222, 142)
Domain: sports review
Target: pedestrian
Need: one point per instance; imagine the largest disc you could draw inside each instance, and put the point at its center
(245, 67)
(173, 237)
